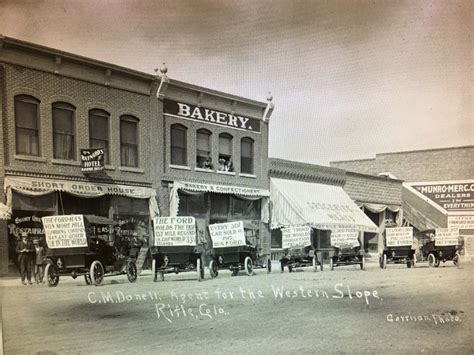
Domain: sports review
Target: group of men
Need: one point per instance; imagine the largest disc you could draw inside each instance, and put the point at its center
(30, 258)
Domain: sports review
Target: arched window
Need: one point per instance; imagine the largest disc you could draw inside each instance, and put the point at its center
(27, 125)
(129, 141)
(99, 131)
(64, 132)
(225, 152)
(203, 149)
(246, 156)
(179, 145)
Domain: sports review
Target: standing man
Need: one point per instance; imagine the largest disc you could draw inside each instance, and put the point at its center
(25, 251)
(38, 261)
(136, 244)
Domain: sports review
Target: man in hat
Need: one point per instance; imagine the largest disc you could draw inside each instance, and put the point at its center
(25, 251)
(135, 245)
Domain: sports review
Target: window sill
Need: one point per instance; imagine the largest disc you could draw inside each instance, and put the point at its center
(180, 167)
(65, 162)
(204, 170)
(251, 176)
(226, 172)
(131, 169)
(30, 158)
(109, 167)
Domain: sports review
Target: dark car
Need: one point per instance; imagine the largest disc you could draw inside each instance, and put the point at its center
(435, 254)
(100, 258)
(300, 257)
(344, 255)
(176, 259)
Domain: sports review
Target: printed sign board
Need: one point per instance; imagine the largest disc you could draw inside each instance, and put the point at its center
(345, 237)
(451, 196)
(65, 231)
(399, 236)
(227, 234)
(174, 231)
(447, 236)
(461, 222)
(92, 160)
(296, 237)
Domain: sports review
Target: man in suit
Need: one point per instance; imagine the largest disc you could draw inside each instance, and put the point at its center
(25, 251)
(38, 261)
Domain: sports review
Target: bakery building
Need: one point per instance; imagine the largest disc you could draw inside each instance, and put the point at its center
(77, 138)
(214, 168)
(326, 199)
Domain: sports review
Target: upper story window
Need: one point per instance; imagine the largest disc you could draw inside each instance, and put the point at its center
(27, 123)
(129, 141)
(225, 152)
(203, 149)
(99, 131)
(64, 145)
(246, 156)
(179, 145)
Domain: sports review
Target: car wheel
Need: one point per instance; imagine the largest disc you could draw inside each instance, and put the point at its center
(315, 265)
(87, 278)
(198, 269)
(213, 269)
(132, 271)
(269, 266)
(384, 261)
(413, 260)
(432, 260)
(52, 278)
(331, 264)
(248, 264)
(362, 263)
(290, 269)
(153, 270)
(96, 272)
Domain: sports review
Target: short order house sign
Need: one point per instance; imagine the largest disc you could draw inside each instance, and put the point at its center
(207, 115)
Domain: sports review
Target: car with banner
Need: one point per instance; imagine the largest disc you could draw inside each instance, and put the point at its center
(442, 244)
(175, 247)
(298, 249)
(84, 245)
(233, 251)
(398, 247)
(347, 248)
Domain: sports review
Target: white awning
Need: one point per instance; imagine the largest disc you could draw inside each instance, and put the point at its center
(297, 203)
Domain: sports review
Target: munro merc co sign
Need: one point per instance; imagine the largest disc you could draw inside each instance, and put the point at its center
(207, 115)
(452, 195)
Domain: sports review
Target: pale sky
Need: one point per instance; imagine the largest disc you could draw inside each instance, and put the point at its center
(349, 78)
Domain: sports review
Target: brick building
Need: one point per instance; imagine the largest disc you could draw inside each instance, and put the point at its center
(55, 104)
(377, 199)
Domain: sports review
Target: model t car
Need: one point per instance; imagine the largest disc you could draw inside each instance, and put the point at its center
(233, 250)
(398, 247)
(441, 245)
(175, 248)
(347, 249)
(83, 245)
(298, 249)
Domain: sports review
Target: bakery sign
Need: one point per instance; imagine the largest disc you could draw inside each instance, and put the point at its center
(207, 115)
(452, 196)
(92, 160)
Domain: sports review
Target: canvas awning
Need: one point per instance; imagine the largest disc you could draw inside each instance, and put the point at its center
(297, 203)
(5, 212)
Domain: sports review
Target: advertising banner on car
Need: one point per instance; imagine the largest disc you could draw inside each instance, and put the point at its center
(399, 236)
(174, 231)
(345, 237)
(295, 237)
(65, 231)
(227, 234)
(447, 236)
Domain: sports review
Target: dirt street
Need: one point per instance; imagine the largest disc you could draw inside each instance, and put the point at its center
(396, 310)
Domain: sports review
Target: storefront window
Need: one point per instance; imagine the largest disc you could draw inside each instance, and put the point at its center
(276, 238)
(70, 204)
(64, 131)
(128, 141)
(192, 205)
(203, 150)
(225, 153)
(246, 156)
(323, 238)
(99, 131)
(219, 207)
(179, 145)
(245, 209)
(27, 125)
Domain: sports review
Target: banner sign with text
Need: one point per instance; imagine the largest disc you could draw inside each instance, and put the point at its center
(174, 231)
(227, 234)
(345, 237)
(92, 160)
(221, 189)
(447, 236)
(399, 236)
(295, 237)
(461, 222)
(65, 231)
(451, 196)
(207, 115)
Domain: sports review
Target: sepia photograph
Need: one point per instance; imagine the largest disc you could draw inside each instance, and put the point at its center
(236, 176)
